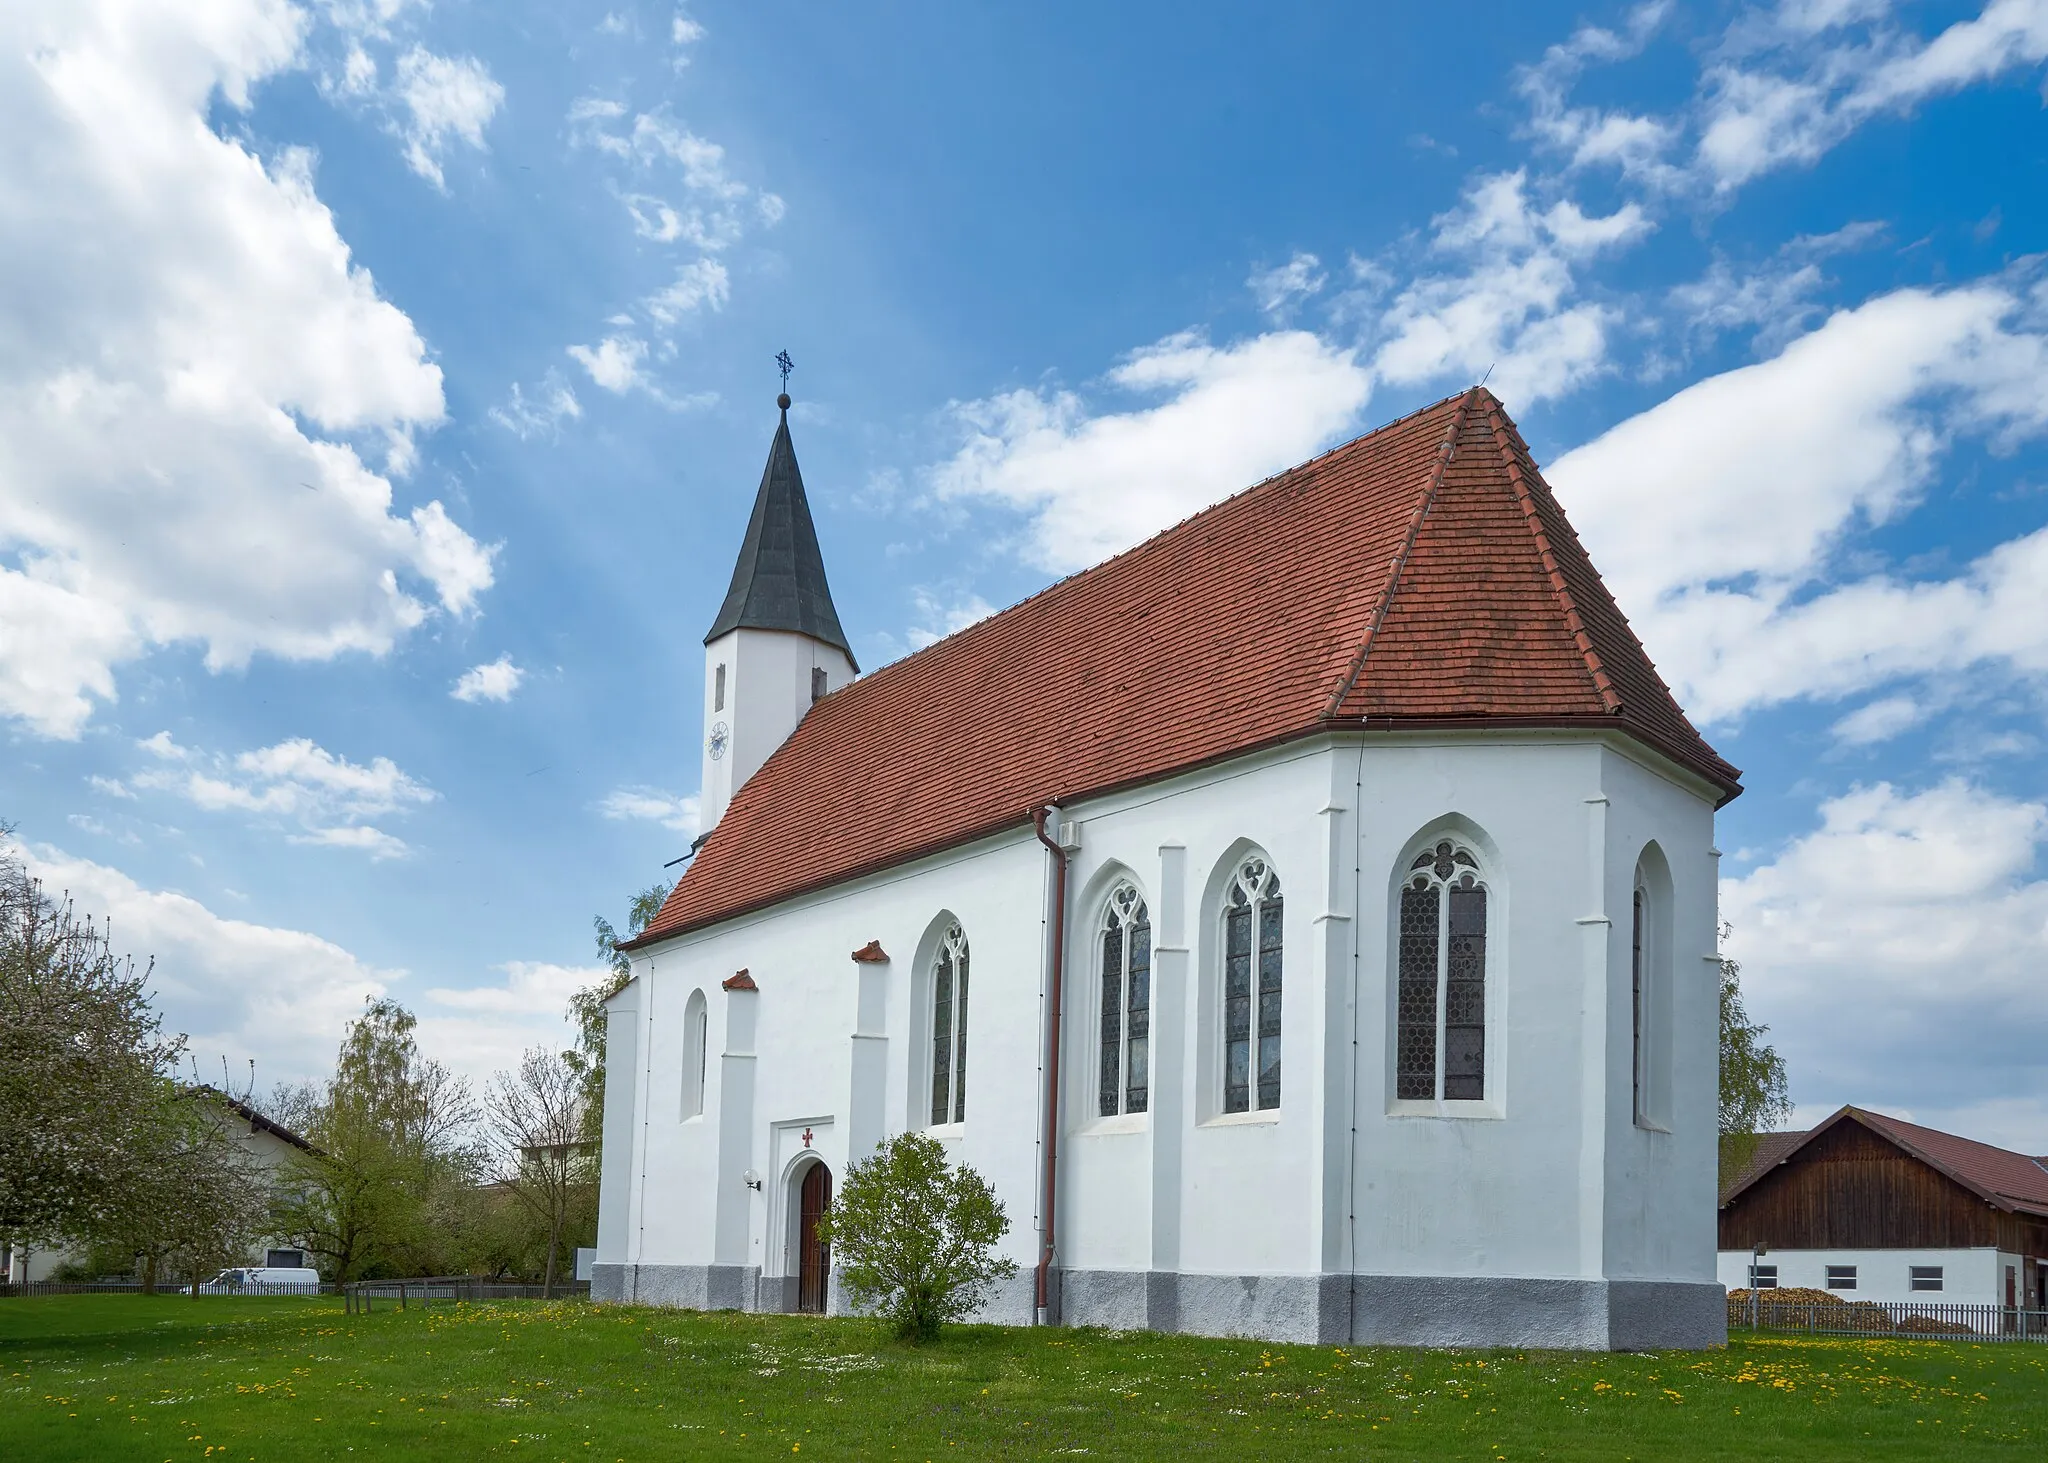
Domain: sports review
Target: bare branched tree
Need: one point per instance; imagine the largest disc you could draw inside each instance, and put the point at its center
(545, 1159)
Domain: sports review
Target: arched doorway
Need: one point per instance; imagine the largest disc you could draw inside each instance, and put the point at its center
(814, 1261)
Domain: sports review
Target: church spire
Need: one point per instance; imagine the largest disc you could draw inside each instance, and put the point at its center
(779, 581)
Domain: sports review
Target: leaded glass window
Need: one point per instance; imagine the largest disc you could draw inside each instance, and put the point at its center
(949, 1029)
(1440, 979)
(1126, 942)
(1636, 998)
(1251, 988)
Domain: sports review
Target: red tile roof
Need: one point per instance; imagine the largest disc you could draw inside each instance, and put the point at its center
(1420, 576)
(2015, 1178)
(2011, 1181)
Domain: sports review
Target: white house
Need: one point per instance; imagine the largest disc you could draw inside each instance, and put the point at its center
(1304, 920)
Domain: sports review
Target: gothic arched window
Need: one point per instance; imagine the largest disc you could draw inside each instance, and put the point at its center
(1440, 1045)
(1639, 1000)
(1251, 988)
(1126, 944)
(696, 1053)
(949, 1028)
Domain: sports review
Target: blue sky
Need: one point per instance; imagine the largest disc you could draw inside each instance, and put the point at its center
(383, 387)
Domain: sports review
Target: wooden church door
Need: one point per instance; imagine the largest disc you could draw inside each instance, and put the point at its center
(813, 1260)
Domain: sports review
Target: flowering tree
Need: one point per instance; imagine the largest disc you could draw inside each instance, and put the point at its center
(916, 1236)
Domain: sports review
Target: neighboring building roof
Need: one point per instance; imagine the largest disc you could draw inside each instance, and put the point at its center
(1770, 1151)
(256, 1120)
(1421, 576)
(779, 581)
(2010, 1181)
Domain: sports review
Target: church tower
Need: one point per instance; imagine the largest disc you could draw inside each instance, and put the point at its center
(776, 645)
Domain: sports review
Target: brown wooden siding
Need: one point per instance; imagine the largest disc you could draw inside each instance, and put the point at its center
(1850, 1189)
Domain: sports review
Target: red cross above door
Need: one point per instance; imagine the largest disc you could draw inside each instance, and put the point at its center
(807, 1137)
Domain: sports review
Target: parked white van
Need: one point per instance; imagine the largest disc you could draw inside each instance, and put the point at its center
(264, 1280)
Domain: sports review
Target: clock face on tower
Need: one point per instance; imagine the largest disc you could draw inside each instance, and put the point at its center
(715, 743)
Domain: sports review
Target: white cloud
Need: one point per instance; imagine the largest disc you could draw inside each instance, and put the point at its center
(1508, 306)
(614, 363)
(1840, 432)
(185, 341)
(493, 681)
(1279, 289)
(683, 33)
(649, 804)
(939, 617)
(1093, 484)
(1897, 949)
(1880, 720)
(445, 97)
(700, 283)
(237, 988)
(1798, 88)
(285, 997)
(328, 798)
(553, 403)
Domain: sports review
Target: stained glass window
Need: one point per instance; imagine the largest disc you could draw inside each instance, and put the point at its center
(949, 1029)
(1440, 993)
(1251, 988)
(1124, 1075)
(1636, 994)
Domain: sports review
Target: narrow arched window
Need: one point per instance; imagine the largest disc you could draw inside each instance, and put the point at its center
(696, 1048)
(1126, 943)
(1440, 1045)
(949, 1029)
(1638, 997)
(1251, 988)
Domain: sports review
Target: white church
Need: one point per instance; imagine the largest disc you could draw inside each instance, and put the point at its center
(1305, 921)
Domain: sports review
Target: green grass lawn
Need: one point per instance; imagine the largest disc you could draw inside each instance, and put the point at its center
(119, 1377)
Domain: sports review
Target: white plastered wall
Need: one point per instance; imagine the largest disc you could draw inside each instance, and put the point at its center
(1549, 1177)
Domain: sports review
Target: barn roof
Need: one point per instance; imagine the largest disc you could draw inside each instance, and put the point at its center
(2011, 1181)
(1422, 576)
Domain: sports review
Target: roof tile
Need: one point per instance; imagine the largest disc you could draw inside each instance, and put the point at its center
(1420, 575)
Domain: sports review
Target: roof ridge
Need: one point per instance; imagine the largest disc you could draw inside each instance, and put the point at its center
(1502, 430)
(1306, 464)
(1399, 563)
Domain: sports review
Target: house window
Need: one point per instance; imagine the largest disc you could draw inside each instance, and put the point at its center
(1841, 1277)
(817, 683)
(949, 1029)
(1763, 1277)
(718, 689)
(696, 1031)
(1924, 1277)
(1251, 989)
(1126, 942)
(1440, 1043)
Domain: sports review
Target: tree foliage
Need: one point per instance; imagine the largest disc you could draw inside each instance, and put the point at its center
(86, 1070)
(915, 1236)
(544, 1160)
(586, 1007)
(196, 1199)
(1755, 1093)
(393, 1132)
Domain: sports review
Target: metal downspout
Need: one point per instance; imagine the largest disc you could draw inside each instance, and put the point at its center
(1052, 1076)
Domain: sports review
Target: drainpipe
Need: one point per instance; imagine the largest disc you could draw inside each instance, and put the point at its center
(1052, 1073)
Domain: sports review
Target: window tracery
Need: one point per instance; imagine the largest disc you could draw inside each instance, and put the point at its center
(1126, 1032)
(949, 1028)
(1440, 997)
(1251, 988)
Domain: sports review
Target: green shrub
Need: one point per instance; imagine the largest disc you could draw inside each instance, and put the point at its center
(915, 1236)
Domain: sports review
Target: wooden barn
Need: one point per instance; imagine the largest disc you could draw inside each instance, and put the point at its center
(1885, 1210)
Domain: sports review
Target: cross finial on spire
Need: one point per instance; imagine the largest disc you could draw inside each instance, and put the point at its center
(787, 365)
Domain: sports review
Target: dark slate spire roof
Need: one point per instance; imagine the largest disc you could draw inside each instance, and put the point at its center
(779, 581)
